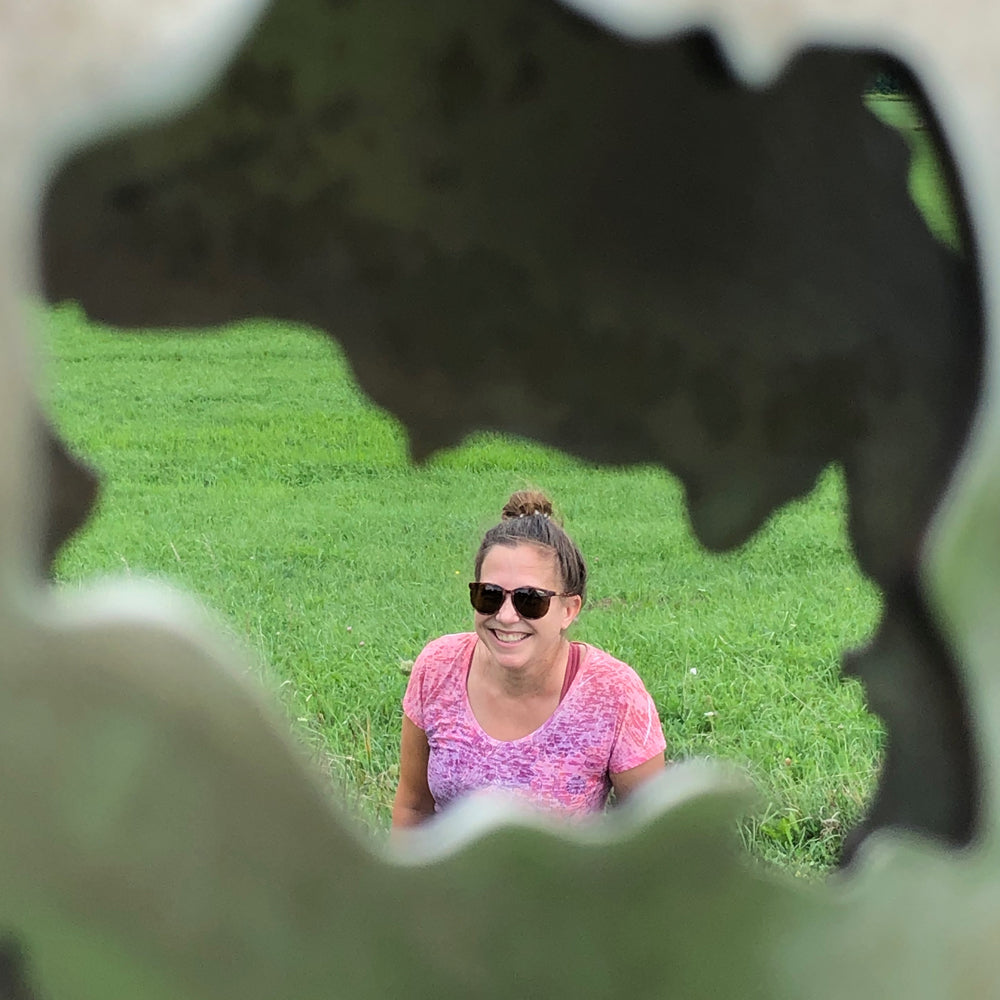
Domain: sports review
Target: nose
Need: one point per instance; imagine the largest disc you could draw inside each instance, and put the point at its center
(507, 613)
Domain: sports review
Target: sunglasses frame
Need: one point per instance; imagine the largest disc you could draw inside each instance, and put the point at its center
(479, 587)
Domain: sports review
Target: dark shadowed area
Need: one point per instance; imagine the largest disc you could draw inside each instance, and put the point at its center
(14, 972)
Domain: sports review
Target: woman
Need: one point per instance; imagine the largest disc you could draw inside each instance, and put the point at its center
(514, 705)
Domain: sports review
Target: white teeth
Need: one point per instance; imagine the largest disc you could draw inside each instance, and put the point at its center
(509, 636)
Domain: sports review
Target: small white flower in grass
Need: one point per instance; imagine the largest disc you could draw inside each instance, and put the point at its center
(348, 628)
(694, 671)
(710, 715)
(362, 642)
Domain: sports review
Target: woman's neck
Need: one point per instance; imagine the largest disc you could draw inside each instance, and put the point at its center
(535, 679)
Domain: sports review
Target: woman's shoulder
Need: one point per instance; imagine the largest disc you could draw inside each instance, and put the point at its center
(448, 643)
(444, 650)
(437, 679)
(604, 667)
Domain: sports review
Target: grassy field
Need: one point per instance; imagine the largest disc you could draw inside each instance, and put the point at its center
(245, 465)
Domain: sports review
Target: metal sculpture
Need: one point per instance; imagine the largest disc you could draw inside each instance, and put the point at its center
(160, 836)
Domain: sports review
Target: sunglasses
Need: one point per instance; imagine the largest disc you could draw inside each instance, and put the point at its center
(529, 602)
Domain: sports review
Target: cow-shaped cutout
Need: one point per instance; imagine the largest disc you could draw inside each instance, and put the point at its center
(183, 849)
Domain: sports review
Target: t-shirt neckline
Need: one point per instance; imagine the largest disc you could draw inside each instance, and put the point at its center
(474, 722)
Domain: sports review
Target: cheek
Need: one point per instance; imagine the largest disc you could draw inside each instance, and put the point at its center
(554, 621)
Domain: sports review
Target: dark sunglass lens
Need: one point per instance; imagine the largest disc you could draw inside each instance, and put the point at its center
(530, 603)
(486, 598)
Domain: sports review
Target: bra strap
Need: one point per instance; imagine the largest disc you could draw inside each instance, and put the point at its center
(572, 666)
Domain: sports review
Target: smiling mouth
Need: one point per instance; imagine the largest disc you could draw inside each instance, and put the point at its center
(509, 638)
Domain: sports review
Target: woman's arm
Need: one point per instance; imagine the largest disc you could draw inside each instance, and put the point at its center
(413, 803)
(625, 782)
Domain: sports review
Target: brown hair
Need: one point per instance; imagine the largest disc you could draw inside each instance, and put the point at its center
(527, 517)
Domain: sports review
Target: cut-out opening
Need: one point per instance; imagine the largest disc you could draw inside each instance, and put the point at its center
(733, 285)
(246, 466)
(894, 98)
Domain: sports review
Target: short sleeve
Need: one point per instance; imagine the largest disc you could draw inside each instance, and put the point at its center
(413, 699)
(436, 678)
(640, 734)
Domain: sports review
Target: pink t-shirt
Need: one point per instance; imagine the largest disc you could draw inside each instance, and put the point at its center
(605, 723)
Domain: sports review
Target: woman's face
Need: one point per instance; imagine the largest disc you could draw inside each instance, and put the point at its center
(514, 642)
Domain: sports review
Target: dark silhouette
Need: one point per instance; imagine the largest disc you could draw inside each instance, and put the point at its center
(14, 979)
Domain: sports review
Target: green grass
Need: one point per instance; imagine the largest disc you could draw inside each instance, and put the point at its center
(927, 181)
(246, 466)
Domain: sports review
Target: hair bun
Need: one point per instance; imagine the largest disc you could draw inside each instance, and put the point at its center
(524, 503)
